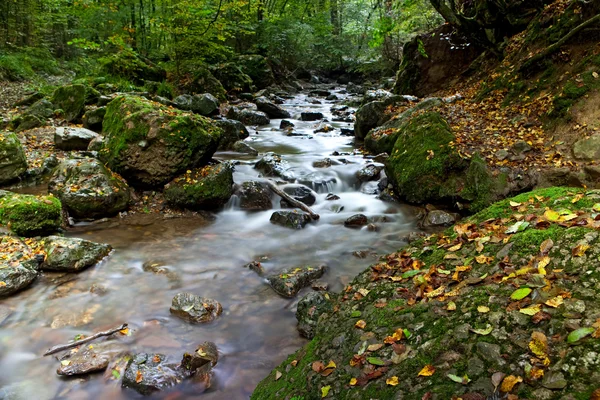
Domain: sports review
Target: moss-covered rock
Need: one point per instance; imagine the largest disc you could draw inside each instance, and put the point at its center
(258, 69)
(28, 215)
(424, 167)
(71, 100)
(233, 131)
(92, 119)
(206, 188)
(441, 316)
(149, 144)
(87, 189)
(203, 81)
(72, 254)
(233, 79)
(129, 65)
(12, 158)
(18, 266)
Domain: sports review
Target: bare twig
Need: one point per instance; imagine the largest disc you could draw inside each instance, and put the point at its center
(76, 343)
(292, 201)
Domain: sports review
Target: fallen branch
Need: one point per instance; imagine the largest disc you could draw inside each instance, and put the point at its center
(76, 343)
(554, 47)
(292, 201)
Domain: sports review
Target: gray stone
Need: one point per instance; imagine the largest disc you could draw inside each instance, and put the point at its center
(310, 308)
(554, 380)
(273, 165)
(150, 373)
(270, 108)
(289, 282)
(16, 274)
(92, 119)
(248, 116)
(491, 353)
(300, 193)
(440, 218)
(242, 147)
(72, 254)
(233, 131)
(369, 173)
(294, 219)
(203, 104)
(73, 138)
(587, 149)
(194, 308)
(254, 196)
(502, 154)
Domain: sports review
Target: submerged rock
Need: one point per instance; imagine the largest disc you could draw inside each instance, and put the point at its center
(73, 138)
(310, 308)
(289, 282)
(90, 359)
(300, 193)
(294, 219)
(149, 373)
(356, 221)
(206, 188)
(13, 163)
(194, 308)
(254, 196)
(72, 254)
(274, 165)
(242, 147)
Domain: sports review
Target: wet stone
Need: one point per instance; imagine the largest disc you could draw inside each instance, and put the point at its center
(294, 219)
(311, 116)
(254, 196)
(16, 275)
(194, 308)
(440, 218)
(310, 308)
(274, 165)
(356, 221)
(369, 173)
(205, 356)
(148, 373)
(325, 163)
(270, 108)
(300, 193)
(73, 138)
(331, 197)
(242, 147)
(72, 254)
(289, 282)
(83, 362)
(285, 124)
(256, 267)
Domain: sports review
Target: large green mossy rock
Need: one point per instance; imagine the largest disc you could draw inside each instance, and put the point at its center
(449, 302)
(233, 79)
(28, 215)
(87, 189)
(71, 99)
(203, 81)
(205, 188)
(129, 65)
(13, 163)
(258, 69)
(149, 144)
(424, 167)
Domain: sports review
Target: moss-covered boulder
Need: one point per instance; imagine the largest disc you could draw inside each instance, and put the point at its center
(72, 254)
(129, 65)
(92, 119)
(205, 188)
(203, 81)
(373, 114)
(71, 100)
(149, 144)
(28, 215)
(87, 189)
(233, 79)
(233, 131)
(18, 265)
(506, 302)
(425, 168)
(12, 158)
(258, 69)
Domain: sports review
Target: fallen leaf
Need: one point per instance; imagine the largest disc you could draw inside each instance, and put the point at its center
(554, 302)
(65, 362)
(521, 293)
(318, 366)
(353, 382)
(455, 247)
(360, 324)
(374, 347)
(579, 334)
(277, 375)
(531, 310)
(393, 381)
(483, 309)
(595, 394)
(488, 329)
(579, 250)
(325, 391)
(375, 361)
(138, 377)
(546, 246)
(427, 370)
(539, 344)
(518, 227)
(509, 383)
(451, 306)
(464, 380)
(497, 378)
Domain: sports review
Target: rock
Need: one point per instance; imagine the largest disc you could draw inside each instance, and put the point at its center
(233, 79)
(92, 119)
(29, 99)
(331, 196)
(204, 104)
(96, 144)
(325, 163)
(331, 97)
(300, 193)
(258, 69)
(310, 308)
(294, 219)
(554, 380)
(254, 196)
(233, 131)
(248, 116)
(203, 81)
(29, 215)
(376, 95)
(130, 65)
(71, 100)
(256, 267)
(242, 147)
(271, 109)
(520, 147)
(370, 116)
(356, 221)
(273, 165)
(320, 93)
(194, 308)
(27, 121)
(440, 218)
(85, 361)
(150, 373)
(502, 154)
(369, 173)
(41, 109)
(88, 189)
(13, 163)
(104, 100)
(149, 145)
(324, 128)
(73, 138)
(289, 282)
(72, 254)
(207, 188)
(587, 149)
(347, 131)
(202, 359)
(286, 124)
(311, 116)
(16, 274)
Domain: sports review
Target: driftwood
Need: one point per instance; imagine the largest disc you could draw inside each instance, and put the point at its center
(76, 343)
(292, 201)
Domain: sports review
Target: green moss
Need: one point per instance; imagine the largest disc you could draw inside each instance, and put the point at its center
(71, 99)
(28, 215)
(209, 187)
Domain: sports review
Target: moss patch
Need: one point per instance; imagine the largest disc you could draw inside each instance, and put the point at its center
(28, 215)
(206, 188)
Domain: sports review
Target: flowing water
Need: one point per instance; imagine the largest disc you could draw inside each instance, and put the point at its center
(257, 329)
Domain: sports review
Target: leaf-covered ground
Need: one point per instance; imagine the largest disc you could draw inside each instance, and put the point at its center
(504, 303)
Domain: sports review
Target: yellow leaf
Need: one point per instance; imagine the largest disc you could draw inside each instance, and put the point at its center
(542, 264)
(481, 259)
(393, 381)
(514, 204)
(483, 309)
(539, 344)
(138, 377)
(353, 382)
(374, 347)
(551, 216)
(451, 306)
(509, 383)
(435, 293)
(427, 370)
(325, 391)
(531, 310)
(579, 250)
(456, 247)
(330, 365)
(554, 302)
(360, 324)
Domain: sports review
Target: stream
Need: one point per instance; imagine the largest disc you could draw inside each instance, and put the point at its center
(257, 329)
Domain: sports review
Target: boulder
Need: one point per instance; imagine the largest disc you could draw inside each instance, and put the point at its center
(294, 219)
(150, 144)
(73, 138)
(273, 165)
(72, 254)
(92, 119)
(88, 189)
(18, 266)
(370, 172)
(42, 109)
(71, 100)
(242, 147)
(194, 308)
(311, 116)
(356, 221)
(96, 144)
(587, 149)
(204, 104)
(309, 309)
(270, 108)
(376, 95)
(28, 215)
(258, 69)
(300, 193)
(205, 356)
(289, 282)
(248, 116)
(233, 131)
(233, 79)
(254, 196)
(207, 188)
(128, 64)
(13, 163)
(320, 93)
(370, 116)
(285, 124)
(87, 360)
(203, 81)
(27, 121)
(29, 99)
(150, 373)
(440, 218)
